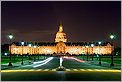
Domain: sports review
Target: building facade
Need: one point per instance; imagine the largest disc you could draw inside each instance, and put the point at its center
(61, 46)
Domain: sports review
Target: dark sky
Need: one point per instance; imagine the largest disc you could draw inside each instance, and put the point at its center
(82, 21)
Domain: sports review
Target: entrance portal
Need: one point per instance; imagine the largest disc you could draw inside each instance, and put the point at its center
(61, 47)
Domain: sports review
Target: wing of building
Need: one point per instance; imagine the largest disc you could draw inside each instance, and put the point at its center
(61, 46)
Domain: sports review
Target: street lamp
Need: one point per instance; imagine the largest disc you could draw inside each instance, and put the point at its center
(92, 45)
(22, 44)
(83, 53)
(99, 53)
(38, 52)
(87, 53)
(34, 52)
(112, 37)
(99, 42)
(29, 50)
(10, 36)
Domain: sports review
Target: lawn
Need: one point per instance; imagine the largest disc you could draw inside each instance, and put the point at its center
(5, 59)
(117, 59)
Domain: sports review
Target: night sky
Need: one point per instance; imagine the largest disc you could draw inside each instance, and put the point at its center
(82, 21)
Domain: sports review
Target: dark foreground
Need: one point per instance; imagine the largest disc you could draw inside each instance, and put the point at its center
(61, 76)
(75, 71)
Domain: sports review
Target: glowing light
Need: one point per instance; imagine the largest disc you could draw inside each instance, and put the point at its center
(78, 60)
(60, 29)
(82, 69)
(76, 70)
(34, 46)
(22, 43)
(99, 42)
(48, 51)
(66, 57)
(89, 69)
(10, 36)
(46, 70)
(82, 52)
(31, 70)
(39, 70)
(97, 49)
(5, 54)
(60, 35)
(67, 69)
(44, 62)
(61, 60)
(29, 45)
(74, 50)
(53, 69)
(112, 36)
(92, 45)
(87, 46)
(15, 49)
(97, 70)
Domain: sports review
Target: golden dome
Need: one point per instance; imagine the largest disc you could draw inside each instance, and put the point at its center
(60, 35)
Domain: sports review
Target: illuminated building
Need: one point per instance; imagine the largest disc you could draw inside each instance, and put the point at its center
(60, 35)
(61, 46)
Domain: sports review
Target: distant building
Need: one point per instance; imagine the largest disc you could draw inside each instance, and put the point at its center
(61, 46)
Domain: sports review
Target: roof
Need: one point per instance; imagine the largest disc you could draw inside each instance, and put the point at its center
(67, 43)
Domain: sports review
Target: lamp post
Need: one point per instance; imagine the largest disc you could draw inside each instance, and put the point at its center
(38, 52)
(34, 52)
(112, 36)
(10, 36)
(22, 44)
(99, 53)
(92, 45)
(30, 50)
(83, 53)
(87, 53)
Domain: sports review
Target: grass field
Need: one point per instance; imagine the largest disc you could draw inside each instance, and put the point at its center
(116, 59)
(5, 59)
